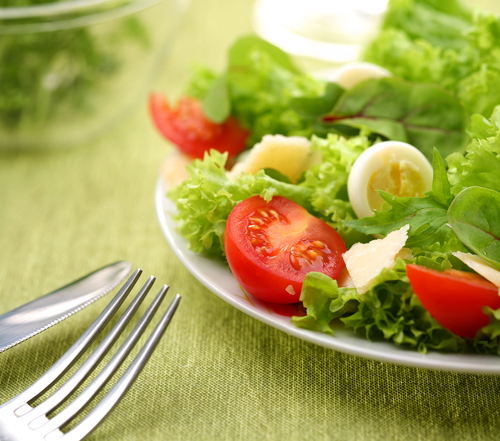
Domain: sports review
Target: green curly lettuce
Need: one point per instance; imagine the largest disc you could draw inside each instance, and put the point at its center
(443, 43)
(480, 164)
(206, 198)
(328, 181)
(388, 311)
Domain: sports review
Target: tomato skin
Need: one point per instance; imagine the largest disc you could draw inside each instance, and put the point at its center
(454, 298)
(187, 127)
(271, 246)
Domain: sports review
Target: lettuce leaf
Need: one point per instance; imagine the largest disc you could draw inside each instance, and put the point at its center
(487, 339)
(442, 23)
(388, 311)
(206, 198)
(263, 89)
(328, 181)
(443, 43)
(257, 86)
(427, 216)
(480, 164)
(424, 115)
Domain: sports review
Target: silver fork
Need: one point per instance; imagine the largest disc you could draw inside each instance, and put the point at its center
(21, 421)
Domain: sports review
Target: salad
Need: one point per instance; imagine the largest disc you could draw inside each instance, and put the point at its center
(282, 157)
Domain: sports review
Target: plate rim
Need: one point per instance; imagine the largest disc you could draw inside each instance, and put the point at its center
(342, 341)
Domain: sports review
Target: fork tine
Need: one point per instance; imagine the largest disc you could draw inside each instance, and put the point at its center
(95, 386)
(72, 354)
(94, 358)
(92, 420)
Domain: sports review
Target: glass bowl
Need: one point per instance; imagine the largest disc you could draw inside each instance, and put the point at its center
(69, 70)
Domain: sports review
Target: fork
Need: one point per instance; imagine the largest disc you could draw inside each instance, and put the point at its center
(21, 420)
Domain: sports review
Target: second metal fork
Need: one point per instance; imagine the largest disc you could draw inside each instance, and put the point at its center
(20, 421)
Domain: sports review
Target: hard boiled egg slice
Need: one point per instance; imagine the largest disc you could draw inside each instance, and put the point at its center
(351, 74)
(392, 166)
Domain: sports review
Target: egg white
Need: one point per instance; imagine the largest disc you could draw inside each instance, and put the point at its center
(351, 74)
(376, 158)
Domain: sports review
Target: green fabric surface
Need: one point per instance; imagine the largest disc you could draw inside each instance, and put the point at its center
(218, 374)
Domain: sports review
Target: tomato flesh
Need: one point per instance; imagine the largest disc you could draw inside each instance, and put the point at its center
(271, 246)
(187, 127)
(454, 298)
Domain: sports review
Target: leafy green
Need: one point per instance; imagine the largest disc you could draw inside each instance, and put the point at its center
(443, 43)
(474, 216)
(441, 188)
(46, 75)
(442, 23)
(480, 164)
(487, 339)
(318, 291)
(427, 216)
(315, 107)
(269, 95)
(206, 198)
(328, 181)
(388, 311)
(216, 104)
(424, 115)
(240, 57)
(258, 85)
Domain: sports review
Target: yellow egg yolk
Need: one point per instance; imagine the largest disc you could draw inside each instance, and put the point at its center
(399, 178)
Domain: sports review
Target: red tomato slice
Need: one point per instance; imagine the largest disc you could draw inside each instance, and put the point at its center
(187, 127)
(454, 298)
(271, 246)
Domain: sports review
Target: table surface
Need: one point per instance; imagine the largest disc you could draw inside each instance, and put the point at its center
(218, 374)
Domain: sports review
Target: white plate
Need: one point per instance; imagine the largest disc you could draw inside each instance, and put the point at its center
(218, 278)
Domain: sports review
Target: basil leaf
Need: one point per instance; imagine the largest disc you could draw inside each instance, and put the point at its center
(217, 104)
(424, 115)
(474, 216)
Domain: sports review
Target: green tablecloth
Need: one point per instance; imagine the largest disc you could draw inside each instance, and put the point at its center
(218, 374)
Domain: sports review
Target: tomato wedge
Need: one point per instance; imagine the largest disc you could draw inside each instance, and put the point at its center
(271, 246)
(454, 298)
(187, 127)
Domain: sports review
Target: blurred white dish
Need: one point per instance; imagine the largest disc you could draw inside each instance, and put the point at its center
(329, 30)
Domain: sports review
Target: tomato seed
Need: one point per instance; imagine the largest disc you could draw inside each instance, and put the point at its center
(275, 214)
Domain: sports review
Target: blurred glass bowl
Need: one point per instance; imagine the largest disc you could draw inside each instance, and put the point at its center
(69, 70)
(331, 31)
